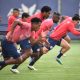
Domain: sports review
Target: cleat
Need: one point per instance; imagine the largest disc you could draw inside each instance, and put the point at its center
(58, 60)
(32, 68)
(14, 71)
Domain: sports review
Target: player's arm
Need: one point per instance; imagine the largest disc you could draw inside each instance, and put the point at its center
(9, 34)
(73, 30)
(35, 41)
(14, 25)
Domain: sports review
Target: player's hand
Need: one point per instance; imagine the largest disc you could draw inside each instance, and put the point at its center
(9, 36)
(45, 50)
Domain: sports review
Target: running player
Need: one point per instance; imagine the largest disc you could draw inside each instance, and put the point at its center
(62, 29)
(66, 37)
(12, 18)
(44, 14)
(45, 28)
(45, 10)
(23, 32)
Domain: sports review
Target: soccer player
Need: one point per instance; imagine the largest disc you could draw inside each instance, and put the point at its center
(66, 37)
(14, 68)
(62, 29)
(24, 17)
(65, 46)
(45, 28)
(20, 33)
(44, 14)
(12, 18)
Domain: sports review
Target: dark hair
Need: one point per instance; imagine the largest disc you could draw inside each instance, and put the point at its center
(76, 17)
(15, 9)
(56, 13)
(35, 20)
(26, 15)
(45, 9)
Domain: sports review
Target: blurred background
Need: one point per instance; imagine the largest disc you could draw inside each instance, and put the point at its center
(65, 7)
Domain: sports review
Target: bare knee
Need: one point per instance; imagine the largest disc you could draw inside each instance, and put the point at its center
(69, 40)
(67, 47)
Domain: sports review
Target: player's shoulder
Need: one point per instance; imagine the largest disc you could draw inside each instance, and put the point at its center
(47, 20)
(69, 20)
(11, 17)
(26, 23)
(38, 14)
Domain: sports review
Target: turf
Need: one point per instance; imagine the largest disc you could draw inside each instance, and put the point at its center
(48, 68)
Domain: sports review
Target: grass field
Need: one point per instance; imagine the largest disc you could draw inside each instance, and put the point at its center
(48, 68)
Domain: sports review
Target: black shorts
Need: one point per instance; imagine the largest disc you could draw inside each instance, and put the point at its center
(9, 49)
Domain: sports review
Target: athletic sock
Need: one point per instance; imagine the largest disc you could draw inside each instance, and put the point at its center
(2, 64)
(59, 55)
(34, 59)
(15, 66)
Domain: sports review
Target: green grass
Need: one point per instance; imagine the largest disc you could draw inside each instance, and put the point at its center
(48, 68)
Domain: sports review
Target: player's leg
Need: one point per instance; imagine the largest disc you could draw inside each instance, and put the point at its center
(26, 52)
(9, 50)
(67, 38)
(24, 56)
(65, 47)
(17, 59)
(34, 57)
(38, 51)
(34, 60)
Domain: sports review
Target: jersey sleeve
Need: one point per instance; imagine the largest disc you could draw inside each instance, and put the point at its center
(25, 24)
(73, 30)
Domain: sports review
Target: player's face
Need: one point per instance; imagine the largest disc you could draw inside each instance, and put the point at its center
(56, 19)
(24, 19)
(77, 22)
(16, 13)
(36, 26)
(46, 14)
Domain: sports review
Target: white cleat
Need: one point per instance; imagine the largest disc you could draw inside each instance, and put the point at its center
(32, 68)
(14, 71)
(59, 61)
